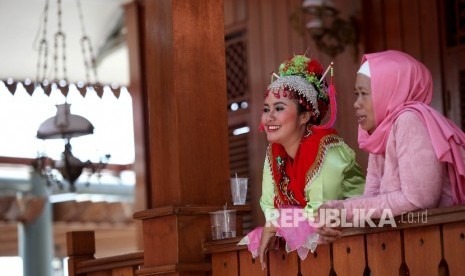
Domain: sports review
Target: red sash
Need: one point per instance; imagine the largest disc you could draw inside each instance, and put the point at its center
(291, 176)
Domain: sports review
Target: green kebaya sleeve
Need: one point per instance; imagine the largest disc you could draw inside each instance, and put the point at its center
(267, 198)
(340, 177)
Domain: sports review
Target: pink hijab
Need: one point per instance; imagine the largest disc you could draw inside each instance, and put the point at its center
(401, 83)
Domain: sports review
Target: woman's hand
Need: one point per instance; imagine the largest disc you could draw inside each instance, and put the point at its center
(330, 212)
(328, 234)
(267, 239)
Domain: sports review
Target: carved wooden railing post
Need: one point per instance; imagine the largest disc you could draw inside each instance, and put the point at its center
(80, 247)
(349, 255)
(384, 253)
(454, 247)
(249, 265)
(422, 249)
(225, 264)
(282, 263)
(318, 263)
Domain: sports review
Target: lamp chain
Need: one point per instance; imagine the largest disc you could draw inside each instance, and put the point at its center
(43, 48)
(60, 36)
(51, 68)
(86, 48)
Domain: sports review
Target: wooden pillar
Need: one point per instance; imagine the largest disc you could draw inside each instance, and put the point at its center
(183, 99)
(186, 96)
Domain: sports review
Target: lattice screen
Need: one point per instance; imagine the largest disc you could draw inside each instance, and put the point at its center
(236, 70)
(239, 163)
(238, 111)
(238, 95)
(238, 152)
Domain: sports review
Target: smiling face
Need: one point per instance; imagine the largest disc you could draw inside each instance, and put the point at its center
(363, 103)
(282, 121)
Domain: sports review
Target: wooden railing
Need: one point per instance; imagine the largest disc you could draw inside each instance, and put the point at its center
(81, 244)
(81, 250)
(428, 242)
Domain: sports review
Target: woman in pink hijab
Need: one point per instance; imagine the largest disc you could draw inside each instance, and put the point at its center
(416, 155)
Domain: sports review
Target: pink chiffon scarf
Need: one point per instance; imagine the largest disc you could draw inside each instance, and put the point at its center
(299, 235)
(400, 83)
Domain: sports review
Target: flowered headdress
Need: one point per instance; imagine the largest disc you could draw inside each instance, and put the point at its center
(305, 77)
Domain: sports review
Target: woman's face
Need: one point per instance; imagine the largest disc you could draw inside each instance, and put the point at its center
(363, 104)
(280, 118)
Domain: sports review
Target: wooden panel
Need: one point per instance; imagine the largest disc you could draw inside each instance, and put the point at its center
(257, 82)
(249, 265)
(241, 10)
(268, 37)
(345, 70)
(422, 250)
(225, 264)
(393, 24)
(453, 235)
(373, 21)
(349, 256)
(411, 28)
(235, 13)
(229, 12)
(193, 230)
(100, 273)
(317, 263)
(454, 23)
(124, 271)
(453, 64)
(431, 48)
(186, 99)
(281, 29)
(160, 238)
(384, 253)
(282, 263)
(296, 39)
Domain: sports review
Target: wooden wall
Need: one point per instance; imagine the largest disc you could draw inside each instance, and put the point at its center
(411, 26)
(451, 15)
(408, 25)
(272, 37)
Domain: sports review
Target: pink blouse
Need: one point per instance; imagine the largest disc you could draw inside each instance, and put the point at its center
(408, 177)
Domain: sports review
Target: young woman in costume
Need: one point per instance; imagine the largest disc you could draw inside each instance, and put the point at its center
(306, 163)
(416, 155)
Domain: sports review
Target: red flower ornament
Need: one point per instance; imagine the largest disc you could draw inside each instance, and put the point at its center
(315, 67)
